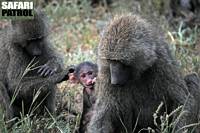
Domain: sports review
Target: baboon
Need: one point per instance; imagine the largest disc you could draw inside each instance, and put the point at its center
(193, 83)
(85, 73)
(29, 66)
(136, 72)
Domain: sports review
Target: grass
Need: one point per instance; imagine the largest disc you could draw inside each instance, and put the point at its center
(76, 36)
(183, 44)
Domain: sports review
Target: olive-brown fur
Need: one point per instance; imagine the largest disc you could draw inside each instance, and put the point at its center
(154, 78)
(15, 58)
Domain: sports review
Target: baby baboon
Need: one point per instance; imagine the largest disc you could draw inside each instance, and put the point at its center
(25, 43)
(136, 73)
(85, 73)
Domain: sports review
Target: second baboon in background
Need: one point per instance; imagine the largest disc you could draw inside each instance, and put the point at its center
(85, 73)
(136, 73)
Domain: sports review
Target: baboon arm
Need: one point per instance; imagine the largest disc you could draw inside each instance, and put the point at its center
(5, 59)
(102, 120)
(5, 102)
(4, 97)
(55, 59)
(26, 85)
(87, 110)
(50, 101)
(193, 84)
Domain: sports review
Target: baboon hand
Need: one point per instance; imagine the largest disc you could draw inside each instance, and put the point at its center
(46, 70)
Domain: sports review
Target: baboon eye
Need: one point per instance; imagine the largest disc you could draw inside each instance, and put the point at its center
(82, 75)
(90, 73)
(36, 38)
(32, 40)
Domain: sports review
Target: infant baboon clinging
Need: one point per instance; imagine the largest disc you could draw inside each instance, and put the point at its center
(25, 42)
(85, 73)
(136, 73)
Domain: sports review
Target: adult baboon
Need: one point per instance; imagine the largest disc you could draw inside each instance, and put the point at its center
(136, 73)
(23, 44)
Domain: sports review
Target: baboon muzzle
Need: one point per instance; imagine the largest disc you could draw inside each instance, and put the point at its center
(119, 73)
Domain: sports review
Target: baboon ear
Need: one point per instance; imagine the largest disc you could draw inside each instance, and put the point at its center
(71, 69)
(71, 76)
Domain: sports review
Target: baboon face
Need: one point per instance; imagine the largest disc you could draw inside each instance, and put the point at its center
(34, 47)
(86, 74)
(119, 73)
(32, 38)
(123, 51)
(118, 70)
